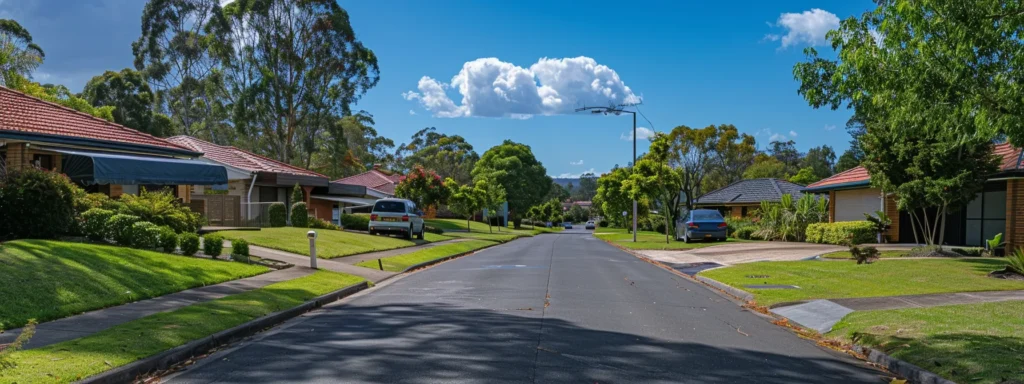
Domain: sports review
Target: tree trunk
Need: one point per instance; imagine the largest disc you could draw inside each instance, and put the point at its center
(666, 229)
(941, 221)
(913, 227)
(929, 234)
(469, 228)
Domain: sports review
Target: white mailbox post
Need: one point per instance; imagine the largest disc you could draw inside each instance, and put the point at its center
(311, 235)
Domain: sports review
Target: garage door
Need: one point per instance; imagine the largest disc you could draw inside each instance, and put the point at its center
(853, 204)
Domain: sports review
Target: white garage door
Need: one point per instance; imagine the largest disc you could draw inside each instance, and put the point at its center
(853, 204)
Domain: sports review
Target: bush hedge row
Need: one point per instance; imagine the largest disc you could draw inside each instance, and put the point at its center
(355, 222)
(841, 233)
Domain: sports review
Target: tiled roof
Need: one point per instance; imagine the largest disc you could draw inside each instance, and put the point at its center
(21, 113)
(751, 191)
(1010, 161)
(240, 159)
(374, 179)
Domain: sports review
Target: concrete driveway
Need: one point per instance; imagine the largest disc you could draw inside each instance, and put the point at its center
(738, 253)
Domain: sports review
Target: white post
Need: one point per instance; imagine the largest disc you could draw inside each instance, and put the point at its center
(312, 248)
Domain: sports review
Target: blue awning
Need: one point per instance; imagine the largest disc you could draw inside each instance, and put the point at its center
(107, 168)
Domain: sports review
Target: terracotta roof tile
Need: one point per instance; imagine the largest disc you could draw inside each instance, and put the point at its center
(26, 114)
(1011, 160)
(373, 179)
(240, 159)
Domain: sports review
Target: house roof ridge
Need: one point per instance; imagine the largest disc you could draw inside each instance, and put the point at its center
(775, 185)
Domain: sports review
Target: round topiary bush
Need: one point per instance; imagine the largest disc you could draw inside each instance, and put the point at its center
(145, 235)
(278, 215)
(168, 239)
(119, 228)
(240, 250)
(189, 243)
(300, 216)
(36, 204)
(355, 222)
(94, 223)
(744, 233)
(213, 245)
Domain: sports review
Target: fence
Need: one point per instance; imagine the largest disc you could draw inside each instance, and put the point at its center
(229, 211)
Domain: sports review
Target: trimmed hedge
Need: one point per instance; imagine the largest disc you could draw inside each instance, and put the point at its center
(841, 233)
(37, 204)
(145, 235)
(213, 245)
(94, 223)
(189, 243)
(119, 228)
(317, 223)
(745, 233)
(355, 222)
(278, 215)
(300, 216)
(240, 250)
(434, 230)
(168, 239)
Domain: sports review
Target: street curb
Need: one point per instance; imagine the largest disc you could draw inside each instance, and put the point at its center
(738, 293)
(128, 373)
(446, 258)
(912, 372)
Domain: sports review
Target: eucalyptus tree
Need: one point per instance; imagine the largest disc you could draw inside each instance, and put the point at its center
(19, 56)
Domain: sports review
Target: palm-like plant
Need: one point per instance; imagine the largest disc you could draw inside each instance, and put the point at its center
(788, 219)
(19, 56)
(1016, 261)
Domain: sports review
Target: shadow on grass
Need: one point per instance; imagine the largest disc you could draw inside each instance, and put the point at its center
(48, 280)
(984, 265)
(961, 357)
(446, 343)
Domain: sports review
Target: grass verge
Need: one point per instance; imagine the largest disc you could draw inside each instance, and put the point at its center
(401, 262)
(881, 254)
(652, 240)
(80, 358)
(891, 277)
(501, 237)
(973, 343)
(47, 280)
(330, 244)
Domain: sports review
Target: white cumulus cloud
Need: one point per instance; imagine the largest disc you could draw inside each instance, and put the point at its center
(494, 88)
(830, 127)
(777, 137)
(412, 112)
(569, 175)
(792, 134)
(808, 27)
(580, 162)
(642, 133)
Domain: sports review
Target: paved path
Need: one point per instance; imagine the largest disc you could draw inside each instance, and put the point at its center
(88, 323)
(747, 252)
(822, 315)
(328, 264)
(548, 309)
(355, 259)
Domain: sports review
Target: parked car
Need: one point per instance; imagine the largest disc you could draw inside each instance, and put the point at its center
(703, 224)
(567, 225)
(396, 216)
(590, 225)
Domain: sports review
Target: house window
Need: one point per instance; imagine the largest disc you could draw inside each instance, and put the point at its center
(743, 212)
(985, 217)
(42, 161)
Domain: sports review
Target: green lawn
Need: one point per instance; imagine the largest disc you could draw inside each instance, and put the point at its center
(889, 277)
(651, 240)
(460, 225)
(329, 244)
(501, 237)
(76, 359)
(975, 343)
(47, 280)
(401, 262)
(881, 254)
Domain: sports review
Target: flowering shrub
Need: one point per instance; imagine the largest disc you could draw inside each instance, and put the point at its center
(422, 187)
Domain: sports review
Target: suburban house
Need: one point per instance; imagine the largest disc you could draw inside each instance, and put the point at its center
(741, 198)
(377, 182)
(254, 183)
(101, 156)
(994, 210)
(583, 204)
(357, 193)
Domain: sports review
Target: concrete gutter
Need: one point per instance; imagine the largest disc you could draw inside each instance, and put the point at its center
(446, 258)
(130, 372)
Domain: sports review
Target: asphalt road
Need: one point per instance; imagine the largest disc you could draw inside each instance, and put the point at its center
(549, 309)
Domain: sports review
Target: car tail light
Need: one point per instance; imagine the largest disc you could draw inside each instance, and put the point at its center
(722, 225)
(691, 225)
(373, 216)
(405, 218)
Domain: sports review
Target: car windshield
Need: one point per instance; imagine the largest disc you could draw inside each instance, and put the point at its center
(389, 207)
(711, 215)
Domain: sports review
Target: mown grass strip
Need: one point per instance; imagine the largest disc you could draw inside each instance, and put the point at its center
(80, 358)
(48, 280)
(401, 262)
(329, 243)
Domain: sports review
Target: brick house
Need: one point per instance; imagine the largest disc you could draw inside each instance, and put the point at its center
(741, 198)
(100, 155)
(998, 208)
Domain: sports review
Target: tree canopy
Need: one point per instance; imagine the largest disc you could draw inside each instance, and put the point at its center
(449, 156)
(19, 56)
(522, 176)
(129, 93)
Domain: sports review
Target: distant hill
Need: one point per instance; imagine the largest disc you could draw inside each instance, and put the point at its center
(565, 181)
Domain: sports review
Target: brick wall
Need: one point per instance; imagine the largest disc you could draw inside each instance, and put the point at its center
(1014, 210)
(831, 206)
(321, 209)
(894, 215)
(15, 155)
(737, 212)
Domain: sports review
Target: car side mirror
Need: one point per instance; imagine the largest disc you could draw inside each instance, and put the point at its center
(419, 213)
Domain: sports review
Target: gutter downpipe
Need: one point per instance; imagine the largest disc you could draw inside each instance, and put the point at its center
(248, 197)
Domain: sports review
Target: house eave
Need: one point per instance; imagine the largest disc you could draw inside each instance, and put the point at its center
(94, 143)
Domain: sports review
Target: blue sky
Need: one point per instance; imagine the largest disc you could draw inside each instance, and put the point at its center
(693, 63)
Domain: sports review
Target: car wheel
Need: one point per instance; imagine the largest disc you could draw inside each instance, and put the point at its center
(408, 234)
(686, 239)
(421, 234)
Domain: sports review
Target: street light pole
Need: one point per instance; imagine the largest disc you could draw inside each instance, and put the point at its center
(619, 111)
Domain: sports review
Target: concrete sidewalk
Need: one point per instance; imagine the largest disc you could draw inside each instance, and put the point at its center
(748, 252)
(328, 264)
(822, 315)
(85, 324)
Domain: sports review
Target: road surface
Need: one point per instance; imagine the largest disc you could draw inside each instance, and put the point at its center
(550, 309)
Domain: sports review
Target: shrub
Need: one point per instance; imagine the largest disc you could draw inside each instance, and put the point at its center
(864, 255)
(603, 223)
(735, 224)
(37, 204)
(96, 200)
(321, 224)
(431, 229)
(1016, 261)
(213, 245)
(189, 243)
(745, 233)
(841, 233)
(240, 250)
(297, 194)
(161, 208)
(355, 222)
(94, 223)
(300, 216)
(119, 228)
(168, 239)
(970, 252)
(278, 215)
(145, 235)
